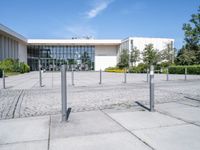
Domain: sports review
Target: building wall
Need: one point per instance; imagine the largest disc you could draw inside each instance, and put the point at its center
(22, 50)
(105, 56)
(8, 47)
(158, 43)
(140, 43)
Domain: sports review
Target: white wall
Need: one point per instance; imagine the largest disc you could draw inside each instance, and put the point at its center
(140, 43)
(105, 56)
(158, 43)
(22, 52)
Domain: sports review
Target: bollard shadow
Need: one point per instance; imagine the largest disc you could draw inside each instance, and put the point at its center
(143, 106)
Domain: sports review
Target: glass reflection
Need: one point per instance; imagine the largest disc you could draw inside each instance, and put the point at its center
(80, 57)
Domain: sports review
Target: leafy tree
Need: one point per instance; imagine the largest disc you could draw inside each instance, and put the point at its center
(185, 57)
(167, 54)
(134, 56)
(151, 56)
(123, 59)
(192, 41)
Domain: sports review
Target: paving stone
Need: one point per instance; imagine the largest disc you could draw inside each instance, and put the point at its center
(115, 141)
(83, 123)
(24, 129)
(183, 137)
(143, 119)
(185, 112)
(33, 145)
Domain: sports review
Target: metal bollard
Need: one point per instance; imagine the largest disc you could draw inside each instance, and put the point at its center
(53, 65)
(4, 81)
(124, 75)
(151, 85)
(147, 75)
(100, 76)
(72, 75)
(185, 73)
(52, 77)
(40, 73)
(65, 111)
(167, 73)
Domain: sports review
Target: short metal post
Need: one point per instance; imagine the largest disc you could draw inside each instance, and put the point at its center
(151, 85)
(40, 73)
(100, 76)
(53, 65)
(65, 111)
(63, 92)
(52, 77)
(185, 73)
(167, 73)
(72, 75)
(147, 75)
(4, 81)
(125, 75)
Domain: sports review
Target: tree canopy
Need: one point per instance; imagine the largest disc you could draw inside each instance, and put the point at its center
(124, 59)
(135, 55)
(151, 56)
(190, 52)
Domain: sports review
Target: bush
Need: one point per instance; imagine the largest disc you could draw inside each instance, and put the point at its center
(194, 69)
(114, 69)
(11, 65)
(23, 68)
(140, 68)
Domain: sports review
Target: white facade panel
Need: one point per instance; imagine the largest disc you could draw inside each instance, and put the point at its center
(158, 43)
(22, 52)
(103, 62)
(105, 56)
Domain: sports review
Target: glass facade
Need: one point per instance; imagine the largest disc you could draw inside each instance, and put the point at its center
(53, 56)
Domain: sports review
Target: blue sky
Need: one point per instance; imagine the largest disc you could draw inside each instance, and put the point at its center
(98, 18)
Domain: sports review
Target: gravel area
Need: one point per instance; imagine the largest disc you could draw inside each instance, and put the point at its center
(23, 97)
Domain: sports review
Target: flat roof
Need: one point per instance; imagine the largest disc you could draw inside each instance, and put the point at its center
(12, 33)
(74, 41)
(143, 38)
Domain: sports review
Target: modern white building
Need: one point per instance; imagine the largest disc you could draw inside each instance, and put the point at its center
(82, 54)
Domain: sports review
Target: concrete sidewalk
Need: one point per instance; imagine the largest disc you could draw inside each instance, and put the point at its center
(174, 126)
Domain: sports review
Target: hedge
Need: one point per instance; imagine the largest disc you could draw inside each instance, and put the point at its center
(194, 69)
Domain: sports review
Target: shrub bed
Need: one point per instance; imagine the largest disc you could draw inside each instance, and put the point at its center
(140, 68)
(114, 69)
(10, 65)
(194, 69)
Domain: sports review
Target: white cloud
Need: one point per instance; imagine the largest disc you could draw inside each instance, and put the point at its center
(98, 8)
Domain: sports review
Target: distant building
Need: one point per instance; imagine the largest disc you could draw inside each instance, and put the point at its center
(82, 54)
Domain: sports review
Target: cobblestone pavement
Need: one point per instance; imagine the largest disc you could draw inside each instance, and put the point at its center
(23, 97)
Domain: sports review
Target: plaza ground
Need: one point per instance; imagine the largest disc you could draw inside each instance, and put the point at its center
(104, 116)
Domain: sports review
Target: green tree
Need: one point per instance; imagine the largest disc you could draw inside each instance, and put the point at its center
(134, 56)
(151, 56)
(124, 59)
(192, 41)
(185, 57)
(168, 54)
